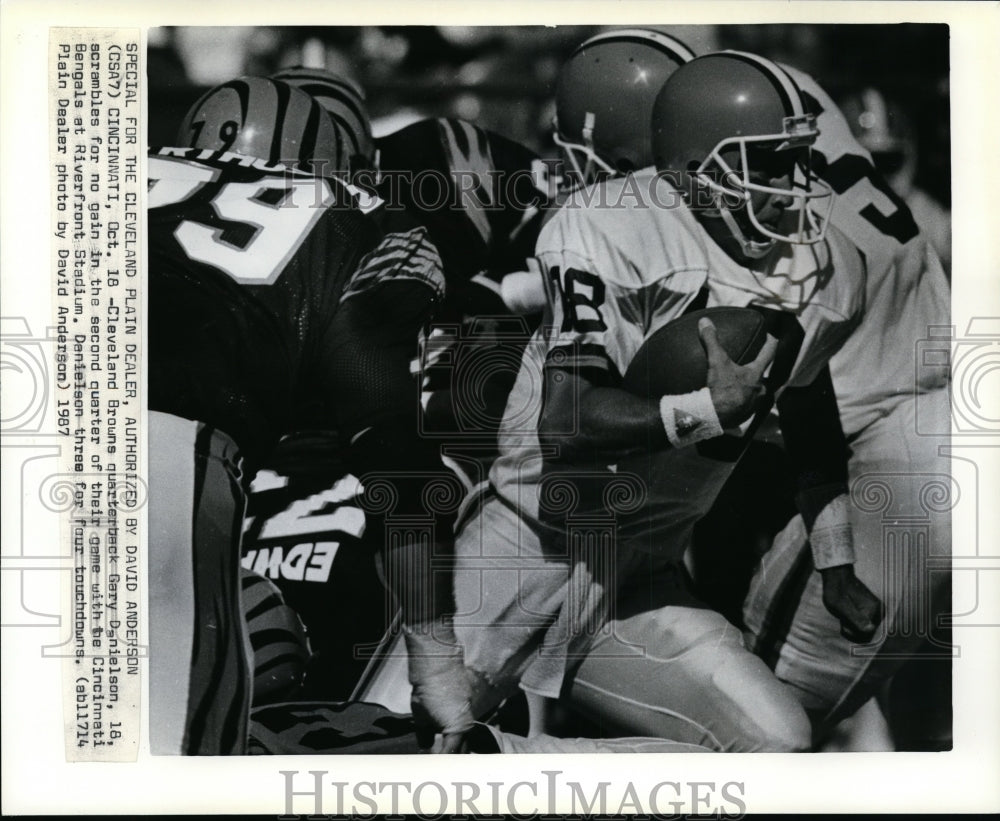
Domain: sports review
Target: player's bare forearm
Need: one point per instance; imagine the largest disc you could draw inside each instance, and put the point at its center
(582, 419)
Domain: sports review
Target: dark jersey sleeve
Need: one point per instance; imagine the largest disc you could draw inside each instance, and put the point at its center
(817, 449)
(475, 191)
(478, 195)
(247, 267)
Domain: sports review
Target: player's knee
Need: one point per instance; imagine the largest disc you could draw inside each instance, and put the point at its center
(772, 720)
(787, 731)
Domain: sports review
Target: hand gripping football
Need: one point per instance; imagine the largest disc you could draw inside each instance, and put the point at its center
(673, 359)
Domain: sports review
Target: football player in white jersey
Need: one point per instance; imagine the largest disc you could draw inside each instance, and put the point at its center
(883, 128)
(901, 487)
(569, 574)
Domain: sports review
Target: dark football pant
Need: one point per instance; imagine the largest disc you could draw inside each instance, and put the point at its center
(199, 653)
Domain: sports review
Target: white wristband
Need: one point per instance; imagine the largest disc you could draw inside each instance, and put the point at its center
(689, 418)
(831, 538)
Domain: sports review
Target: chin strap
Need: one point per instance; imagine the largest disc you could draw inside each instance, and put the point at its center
(751, 248)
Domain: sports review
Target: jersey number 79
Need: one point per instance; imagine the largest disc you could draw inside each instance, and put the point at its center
(250, 229)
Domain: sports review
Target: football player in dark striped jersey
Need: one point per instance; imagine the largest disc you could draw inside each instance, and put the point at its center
(270, 289)
(482, 199)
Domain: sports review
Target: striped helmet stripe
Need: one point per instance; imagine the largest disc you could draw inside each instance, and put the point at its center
(343, 102)
(308, 144)
(347, 128)
(267, 119)
(283, 93)
(322, 90)
(789, 93)
(242, 90)
(321, 84)
(260, 107)
(299, 75)
(671, 46)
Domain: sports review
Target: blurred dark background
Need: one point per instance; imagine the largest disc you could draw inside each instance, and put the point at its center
(502, 78)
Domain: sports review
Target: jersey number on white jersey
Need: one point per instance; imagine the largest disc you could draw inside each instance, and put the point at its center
(884, 210)
(581, 295)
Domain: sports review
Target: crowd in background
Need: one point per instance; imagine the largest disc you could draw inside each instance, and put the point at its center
(502, 77)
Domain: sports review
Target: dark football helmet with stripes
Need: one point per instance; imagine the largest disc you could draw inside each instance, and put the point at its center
(604, 99)
(267, 120)
(344, 102)
(728, 117)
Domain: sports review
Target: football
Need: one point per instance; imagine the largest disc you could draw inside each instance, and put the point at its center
(673, 359)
